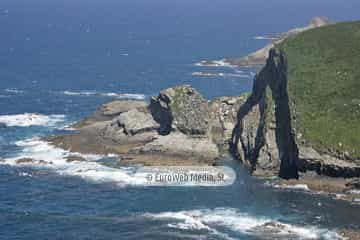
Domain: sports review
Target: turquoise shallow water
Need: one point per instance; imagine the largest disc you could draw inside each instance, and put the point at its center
(61, 60)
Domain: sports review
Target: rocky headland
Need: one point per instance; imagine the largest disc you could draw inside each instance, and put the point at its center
(300, 122)
(302, 119)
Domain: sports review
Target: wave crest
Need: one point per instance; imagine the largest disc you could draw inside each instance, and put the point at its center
(31, 119)
(40, 154)
(229, 218)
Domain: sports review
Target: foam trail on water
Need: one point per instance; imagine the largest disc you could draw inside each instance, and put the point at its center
(229, 218)
(31, 119)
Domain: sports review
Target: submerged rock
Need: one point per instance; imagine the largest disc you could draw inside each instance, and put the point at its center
(31, 161)
(25, 160)
(73, 158)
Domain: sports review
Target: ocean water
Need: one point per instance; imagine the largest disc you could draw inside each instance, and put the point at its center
(59, 60)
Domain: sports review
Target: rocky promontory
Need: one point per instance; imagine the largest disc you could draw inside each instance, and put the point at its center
(301, 120)
(177, 127)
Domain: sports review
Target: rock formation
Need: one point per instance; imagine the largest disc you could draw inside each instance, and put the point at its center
(262, 137)
(269, 130)
(179, 126)
(266, 140)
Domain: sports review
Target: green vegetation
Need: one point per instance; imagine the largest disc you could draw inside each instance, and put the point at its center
(179, 99)
(324, 86)
(270, 105)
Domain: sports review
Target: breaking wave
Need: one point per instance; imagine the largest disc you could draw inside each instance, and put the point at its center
(212, 220)
(40, 154)
(31, 119)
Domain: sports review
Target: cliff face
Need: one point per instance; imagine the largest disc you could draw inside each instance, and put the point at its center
(263, 136)
(267, 137)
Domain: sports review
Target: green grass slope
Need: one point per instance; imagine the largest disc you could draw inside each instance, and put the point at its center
(324, 87)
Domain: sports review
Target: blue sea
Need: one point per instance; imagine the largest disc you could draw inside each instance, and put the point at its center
(60, 60)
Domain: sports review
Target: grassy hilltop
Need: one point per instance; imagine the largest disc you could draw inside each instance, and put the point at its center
(324, 87)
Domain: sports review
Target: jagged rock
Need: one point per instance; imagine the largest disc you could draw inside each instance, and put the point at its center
(25, 160)
(133, 126)
(134, 122)
(116, 107)
(223, 117)
(255, 135)
(179, 144)
(30, 160)
(255, 139)
(110, 110)
(247, 144)
(181, 108)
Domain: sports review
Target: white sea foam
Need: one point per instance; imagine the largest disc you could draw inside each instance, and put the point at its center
(233, 220)
(31, 119)
(13, 90)
(221, 74)
(354, 191)
(214, 63)
(47, 156)
(109, 94)
(25, 174)
(265, 38)
(303, 187)
(82, 93)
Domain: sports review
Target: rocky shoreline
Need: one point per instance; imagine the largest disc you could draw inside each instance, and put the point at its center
(180, 127)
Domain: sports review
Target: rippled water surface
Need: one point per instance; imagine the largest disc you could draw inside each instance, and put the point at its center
(61, 59)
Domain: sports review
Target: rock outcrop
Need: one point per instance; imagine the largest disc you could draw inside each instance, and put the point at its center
(110, 110)
(179, 126)
(223, 117)
(262, 137)
(181, 108)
